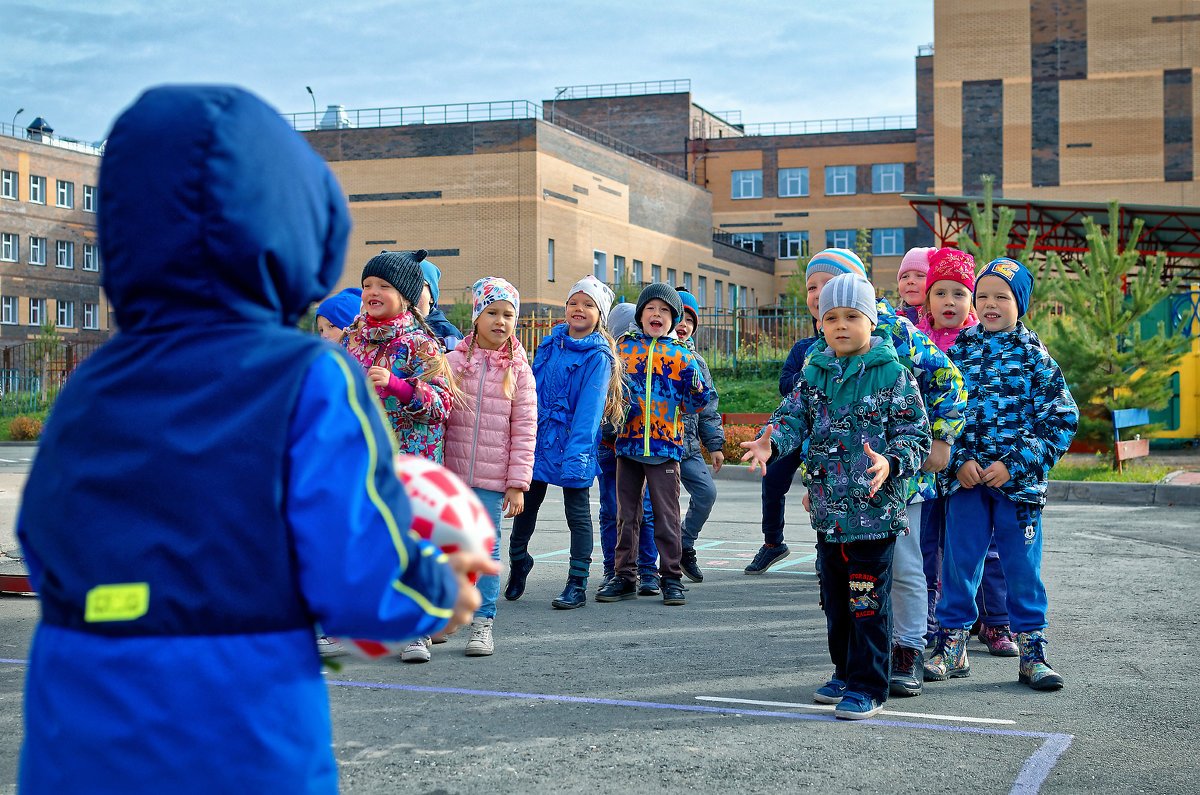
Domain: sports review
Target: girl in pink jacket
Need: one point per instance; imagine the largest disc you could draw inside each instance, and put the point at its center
(491, 432)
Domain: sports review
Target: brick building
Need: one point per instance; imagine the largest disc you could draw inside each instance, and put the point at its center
(49, 257)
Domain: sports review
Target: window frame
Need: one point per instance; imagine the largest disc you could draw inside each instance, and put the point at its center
(89, 198)
(734, 293)
(10, 307)
(830, 242)
(895, 172)
(38, 304)
(66, 247)
(892, 234)
(717, 289)
(550, 259)
(835, 174)
(785, 244)
(702, 290)
(637, 271)
(69, 307)
(618, 268)
(801, 180)
(9, 181)
(687, 281)
(655, 273)
(91, 258)
(37, 245)
(64, 194)
(37, 189)
(10, 247)
(748, 241)
(600, 264)
(92, 308)
(738, 182)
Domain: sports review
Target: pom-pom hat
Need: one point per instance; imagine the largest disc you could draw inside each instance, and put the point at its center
(401, 269)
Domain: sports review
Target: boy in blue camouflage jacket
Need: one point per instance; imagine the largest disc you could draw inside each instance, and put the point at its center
(867, 432)
(1020, 420)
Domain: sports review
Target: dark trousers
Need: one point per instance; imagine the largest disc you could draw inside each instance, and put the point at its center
(776, 482)
(662, 484)
(856, 586)
(579, 522)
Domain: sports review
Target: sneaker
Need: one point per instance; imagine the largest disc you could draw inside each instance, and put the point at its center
(1035, 671)
(480, 644)
(648, 585)
(672, 592)
(999, 641)
(907, 674)
(949, 659)
(767, 557)
(688, 564)
(328, 647)
(831, 692)
(856, 706)
(417, 651)
(573, 596)
(617, 590)
(518, 570)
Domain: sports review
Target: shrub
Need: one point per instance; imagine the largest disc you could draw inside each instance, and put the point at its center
(734, 434)
(24, 429)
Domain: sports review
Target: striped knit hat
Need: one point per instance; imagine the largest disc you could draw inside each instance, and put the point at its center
(835, 261)
(853, 291)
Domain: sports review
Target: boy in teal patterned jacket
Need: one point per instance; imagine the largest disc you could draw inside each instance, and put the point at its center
(867, 431)
(1020, 420)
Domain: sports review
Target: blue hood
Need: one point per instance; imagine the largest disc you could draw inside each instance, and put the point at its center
(248, 223)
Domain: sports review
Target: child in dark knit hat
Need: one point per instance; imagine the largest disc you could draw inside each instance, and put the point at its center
(664, 380)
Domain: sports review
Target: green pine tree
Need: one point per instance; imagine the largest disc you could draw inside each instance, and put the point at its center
(992, 232)
(862, 247)
(1097, 340)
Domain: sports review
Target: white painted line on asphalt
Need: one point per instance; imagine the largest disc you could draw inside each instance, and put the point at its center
(831, 707)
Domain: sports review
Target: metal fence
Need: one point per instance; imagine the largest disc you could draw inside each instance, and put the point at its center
(859, 124)
(29, 378)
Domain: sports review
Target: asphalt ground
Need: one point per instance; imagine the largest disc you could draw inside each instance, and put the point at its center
(716, 694)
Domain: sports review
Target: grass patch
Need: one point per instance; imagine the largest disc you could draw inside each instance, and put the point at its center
(751, 395)
(6, 420)
(1100, 469)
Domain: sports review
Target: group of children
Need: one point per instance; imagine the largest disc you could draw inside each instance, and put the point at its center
(945, 429)
(604, 396)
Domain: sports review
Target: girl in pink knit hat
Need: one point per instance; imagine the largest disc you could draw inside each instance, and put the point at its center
(946, 308)
(911, 279)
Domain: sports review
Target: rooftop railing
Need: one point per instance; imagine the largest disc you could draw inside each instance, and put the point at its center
(623, 89)
(860, 124)
(23, 134)
(416, 114)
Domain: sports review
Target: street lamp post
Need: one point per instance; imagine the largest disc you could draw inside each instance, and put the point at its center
(314, 99)
(14, 121)
(554, 101)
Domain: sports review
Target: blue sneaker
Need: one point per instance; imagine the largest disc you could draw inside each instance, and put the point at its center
(831, 692)
(856, 706)
(766, 557)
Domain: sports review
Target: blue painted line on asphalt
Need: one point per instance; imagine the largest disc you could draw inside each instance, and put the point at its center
(1033, 773)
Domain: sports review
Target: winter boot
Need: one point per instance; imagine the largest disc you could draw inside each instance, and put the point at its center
(691, 569)
(906, 675)
(573, 596)
(1035, 671)
(518, 570)
(999, 641)
(949, 659)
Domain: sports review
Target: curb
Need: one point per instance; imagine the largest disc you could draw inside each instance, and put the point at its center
(1064, 490)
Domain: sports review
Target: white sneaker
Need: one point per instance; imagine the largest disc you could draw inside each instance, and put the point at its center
(417, 651)
(480, 644)
(328, 647)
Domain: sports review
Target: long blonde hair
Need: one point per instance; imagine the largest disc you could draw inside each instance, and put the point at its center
(615, 406)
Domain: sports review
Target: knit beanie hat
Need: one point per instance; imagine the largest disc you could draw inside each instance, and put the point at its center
(690, 304)
(433, 275)
(401, 269)
(1019, 279)
(950, 264)
(599, 293)
(916, 259)
(342, 308)
(663, 292)
(835, 261)
(620, 319)
(850, 290)
(490, 289)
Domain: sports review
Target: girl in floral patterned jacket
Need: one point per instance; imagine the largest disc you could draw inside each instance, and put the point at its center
(400, 354)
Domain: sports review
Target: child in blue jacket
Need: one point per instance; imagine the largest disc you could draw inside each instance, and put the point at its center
(183, 525)
(578, 386)
(1020, 419)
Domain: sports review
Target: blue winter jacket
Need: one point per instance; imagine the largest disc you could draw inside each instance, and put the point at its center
(212, 481)
(572, 386)
(1019, 409)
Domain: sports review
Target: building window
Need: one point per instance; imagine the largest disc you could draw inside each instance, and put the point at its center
(839, 180)
(793, 182)
(671, 277)
(793, 245)
(717, 285)
(702, 291)
(37, 311)
(37, 189)
(8, 184)
(66, 194)
(618, 269)
(91, 315)
(887, 178)
(637, 271)
(751, 241)
(37, 251)
(91, 257)
(64, 255)
(655, 272)
(733, 296)
(89, 198)
(550, 258)
(599, 265)
(840, 238)
(8, 310)
(66, 314)
(747, 184)
(687, 281)
(887, 242)
(10, 247)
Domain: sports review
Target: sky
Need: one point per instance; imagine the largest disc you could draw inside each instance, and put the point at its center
(78, 64)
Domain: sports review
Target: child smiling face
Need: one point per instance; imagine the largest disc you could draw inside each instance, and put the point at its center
(949, 304)
(995, 304)
(381, 299)
(912, 287)
(583, 316)
(656, 318)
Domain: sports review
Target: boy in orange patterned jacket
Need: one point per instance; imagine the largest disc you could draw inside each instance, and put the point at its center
(664, 380)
